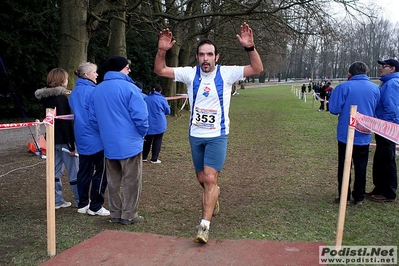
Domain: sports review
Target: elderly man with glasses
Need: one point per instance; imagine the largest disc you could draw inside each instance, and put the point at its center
(385, 176)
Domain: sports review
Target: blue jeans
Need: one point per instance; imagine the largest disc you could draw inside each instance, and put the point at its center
(71, 163)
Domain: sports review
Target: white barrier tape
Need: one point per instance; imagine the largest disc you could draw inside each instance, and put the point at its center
(66, 117)
(178, 96)
(16, 125)
(184, 104)
(375, 145)
(381, 127)
(318, 98)
(48, 120)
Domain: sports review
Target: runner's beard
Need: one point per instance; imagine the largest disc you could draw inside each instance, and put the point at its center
(206, 68)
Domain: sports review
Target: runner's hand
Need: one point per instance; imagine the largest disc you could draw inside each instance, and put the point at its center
(166, 40)
(246, 38)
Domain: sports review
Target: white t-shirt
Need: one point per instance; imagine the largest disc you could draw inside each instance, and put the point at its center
(209, 96)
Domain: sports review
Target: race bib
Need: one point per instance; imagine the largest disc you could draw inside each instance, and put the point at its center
(204, 118)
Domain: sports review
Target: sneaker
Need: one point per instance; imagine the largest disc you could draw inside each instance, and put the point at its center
(137, 219)
(157, 161)
(358, 202)
(66, 204)
(101, 212)
(202, 235)
(84, 209)
(144, 160)
(216, 210)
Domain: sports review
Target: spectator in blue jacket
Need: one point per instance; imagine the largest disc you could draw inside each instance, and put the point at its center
(120, 114)
(360, 91)
(91, 175)
(385, 174)
(140, 86)
(157, 109)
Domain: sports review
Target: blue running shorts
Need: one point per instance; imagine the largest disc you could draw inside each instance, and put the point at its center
(208, 151)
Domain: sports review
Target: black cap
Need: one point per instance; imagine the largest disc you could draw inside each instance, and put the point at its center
(390, 62)
(115, 63)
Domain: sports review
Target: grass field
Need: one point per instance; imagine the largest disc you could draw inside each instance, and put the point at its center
(278, 183)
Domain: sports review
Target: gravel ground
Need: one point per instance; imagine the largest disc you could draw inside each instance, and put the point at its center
(17, 137)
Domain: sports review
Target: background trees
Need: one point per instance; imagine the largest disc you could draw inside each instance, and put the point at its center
(296, 39)
(28, 46)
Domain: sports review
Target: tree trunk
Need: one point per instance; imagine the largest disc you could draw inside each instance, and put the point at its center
(117, 44)
(74, 37)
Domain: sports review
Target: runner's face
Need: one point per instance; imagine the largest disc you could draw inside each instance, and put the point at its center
(206, 57)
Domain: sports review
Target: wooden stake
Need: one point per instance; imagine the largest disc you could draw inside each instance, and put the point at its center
(345, 179)
(314, 99)
(50, 185)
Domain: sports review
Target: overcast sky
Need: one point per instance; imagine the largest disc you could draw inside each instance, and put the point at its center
(390, 8)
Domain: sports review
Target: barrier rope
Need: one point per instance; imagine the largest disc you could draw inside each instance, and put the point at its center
(20, 168)
(181, 116)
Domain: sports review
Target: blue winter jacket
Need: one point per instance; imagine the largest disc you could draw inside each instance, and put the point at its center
(157, 109)
(360, 91)
(120, 113)
(87, 138)
(388, 108)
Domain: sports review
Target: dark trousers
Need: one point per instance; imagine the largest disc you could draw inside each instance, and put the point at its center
(155, 141)
(360, 156)
(91, 171)
(321, 105)
(385, 175)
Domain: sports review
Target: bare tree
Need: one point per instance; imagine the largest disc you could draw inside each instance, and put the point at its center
(74, 37)
(282, 28)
